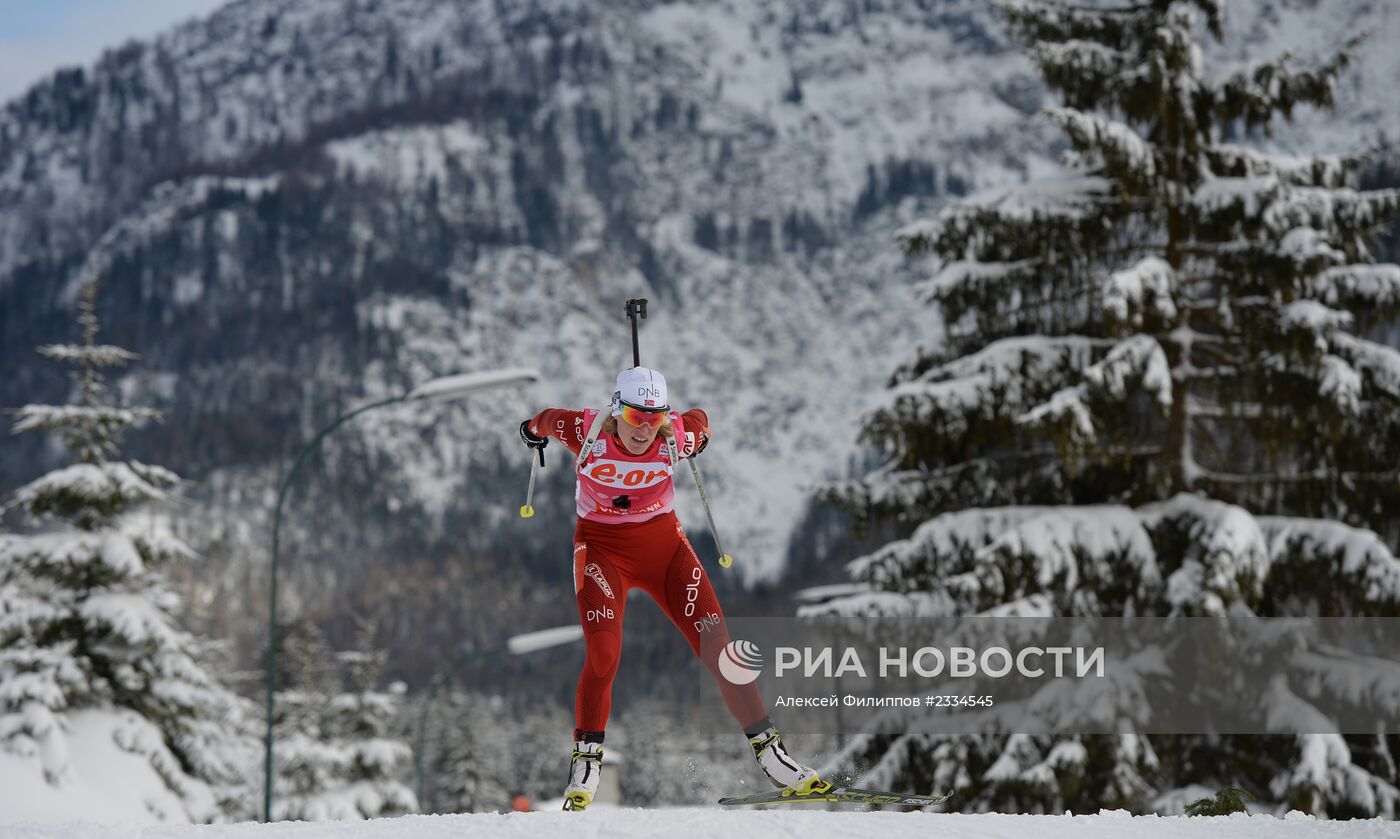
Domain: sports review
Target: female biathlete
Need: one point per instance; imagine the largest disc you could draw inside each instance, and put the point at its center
(628, 535)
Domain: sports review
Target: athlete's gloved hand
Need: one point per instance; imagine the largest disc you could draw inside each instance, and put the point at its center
(534, 442)
(701, 441)
(530, 439)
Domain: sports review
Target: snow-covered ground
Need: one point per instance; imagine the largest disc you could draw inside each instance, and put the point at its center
(701, 823)
(97, 778)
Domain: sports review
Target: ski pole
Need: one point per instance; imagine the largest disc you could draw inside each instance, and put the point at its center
(529, 510)
(725, 560)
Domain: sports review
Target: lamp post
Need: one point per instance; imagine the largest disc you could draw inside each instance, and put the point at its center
(440, 389)
(529, 642)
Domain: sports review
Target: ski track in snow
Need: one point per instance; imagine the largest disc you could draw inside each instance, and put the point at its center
(703, 823)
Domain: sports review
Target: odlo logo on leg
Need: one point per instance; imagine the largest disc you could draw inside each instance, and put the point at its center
(692, 594)
(692, 591)
(595, 615)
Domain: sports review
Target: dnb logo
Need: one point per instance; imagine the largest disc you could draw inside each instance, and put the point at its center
(740, 662)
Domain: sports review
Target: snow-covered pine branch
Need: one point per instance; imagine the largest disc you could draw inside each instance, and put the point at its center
(1123, 155)
(1329, 171)
(1086, 560)
(1375, 287)
(103, 355)
(1070, 204)
(1346, 570)
(940, 548)
(970, 278)
(994, 384)
(1258, 93)
(59, 417)
(1135, 366)
(914, 495)
(90, 494)
(1142, 297)
(1378, 364)
(1224, 556)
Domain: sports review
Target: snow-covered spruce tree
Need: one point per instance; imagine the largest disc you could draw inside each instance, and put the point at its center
(86, 619)
(336, 756)
(1153, 396)
(475, 743)
(364, 717)
(483, 748)
(308, 766)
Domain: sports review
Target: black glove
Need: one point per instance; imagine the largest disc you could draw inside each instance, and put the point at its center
(537, 443)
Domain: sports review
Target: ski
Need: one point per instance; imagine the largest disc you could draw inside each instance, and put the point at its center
(839, 795)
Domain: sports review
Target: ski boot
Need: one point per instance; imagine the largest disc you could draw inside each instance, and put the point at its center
(780, 767)
(585, 770)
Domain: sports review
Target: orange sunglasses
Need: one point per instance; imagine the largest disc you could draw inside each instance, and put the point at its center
(638, 416)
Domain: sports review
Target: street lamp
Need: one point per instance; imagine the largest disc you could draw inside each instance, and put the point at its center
(529, 642)
(440, 389)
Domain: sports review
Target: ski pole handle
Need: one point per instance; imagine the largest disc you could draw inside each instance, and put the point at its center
(528, 509)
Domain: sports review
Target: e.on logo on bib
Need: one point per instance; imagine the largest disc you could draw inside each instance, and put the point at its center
(628, 474)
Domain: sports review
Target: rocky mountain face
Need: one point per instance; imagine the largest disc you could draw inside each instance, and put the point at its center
(300, 206)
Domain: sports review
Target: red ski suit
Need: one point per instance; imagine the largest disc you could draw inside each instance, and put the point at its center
(615, 555)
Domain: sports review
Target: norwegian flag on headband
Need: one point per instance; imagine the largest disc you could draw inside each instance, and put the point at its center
(650, 403)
